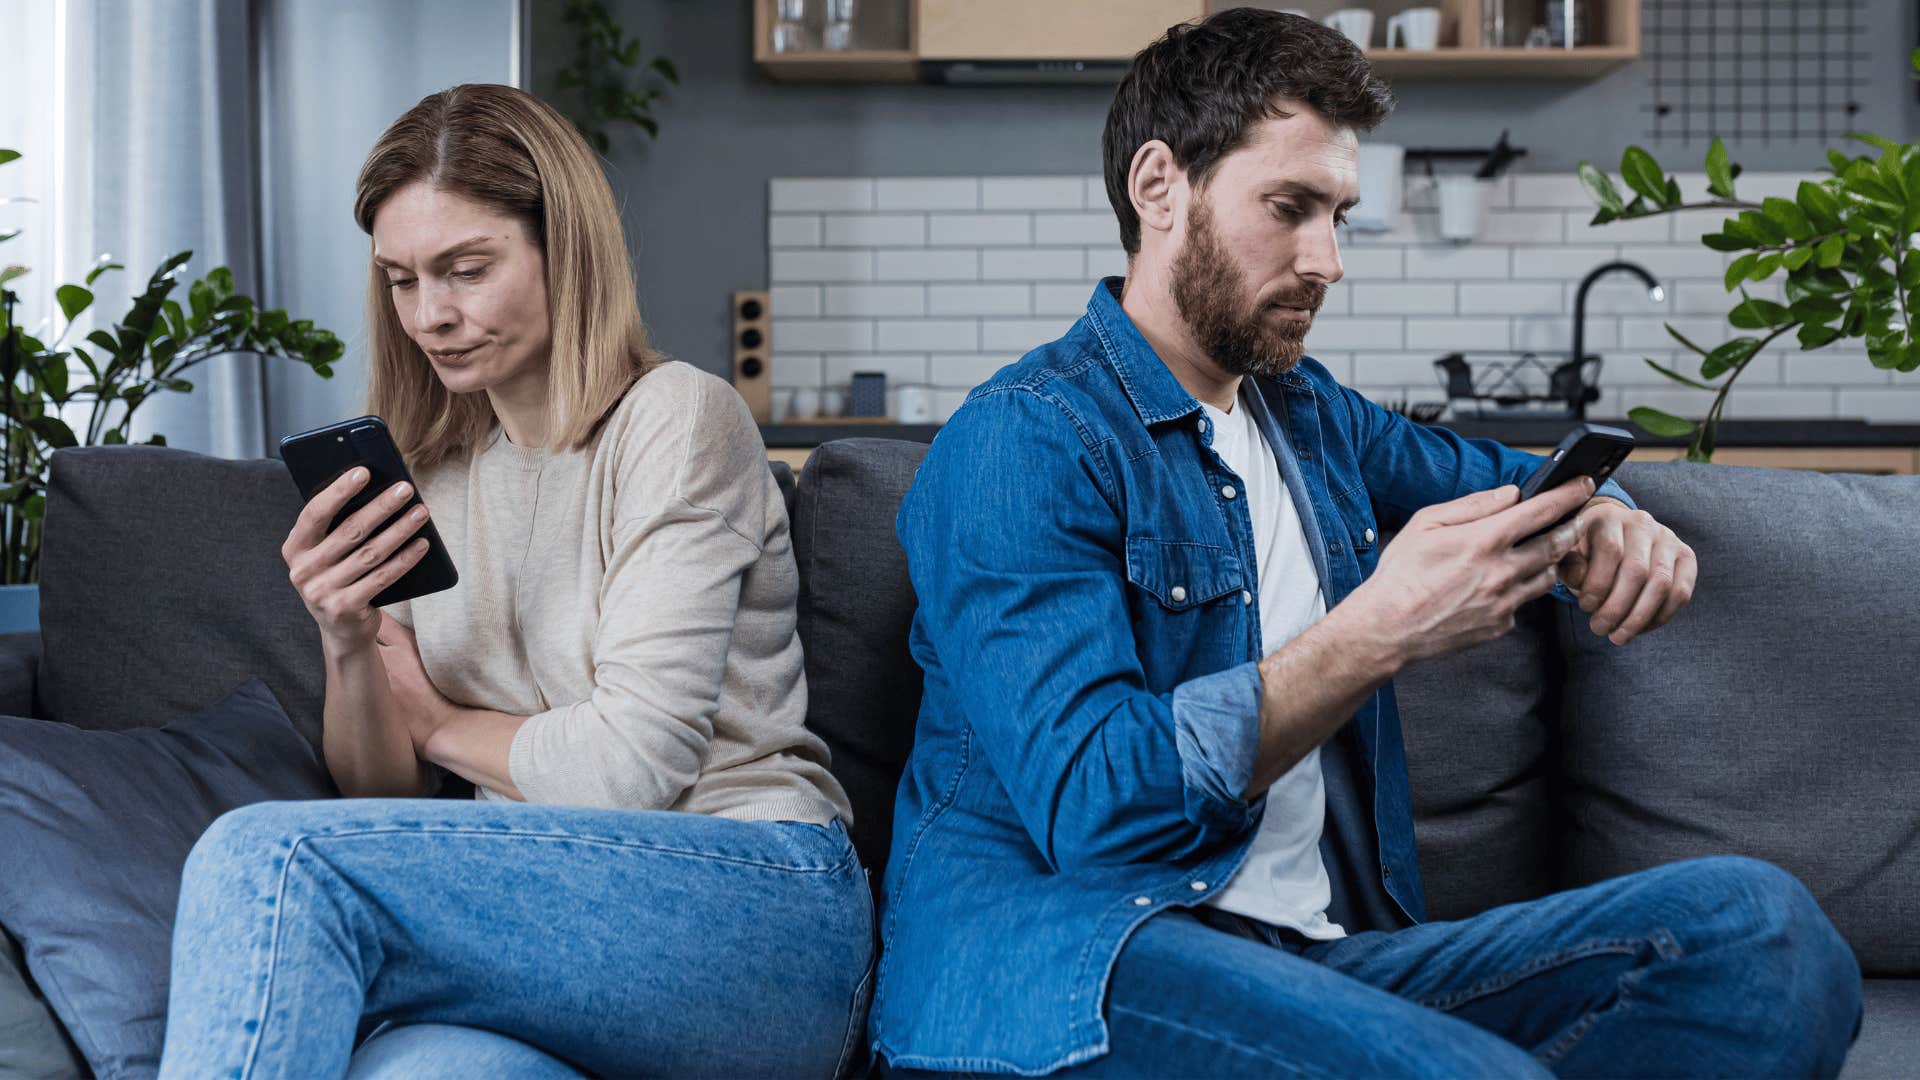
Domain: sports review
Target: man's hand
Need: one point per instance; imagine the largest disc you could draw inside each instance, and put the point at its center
(1628, 570)
(421, 703)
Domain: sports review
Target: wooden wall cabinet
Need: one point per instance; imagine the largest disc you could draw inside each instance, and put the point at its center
(894, 38)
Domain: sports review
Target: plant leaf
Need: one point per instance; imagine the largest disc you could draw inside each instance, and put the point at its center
(1796, 258)
(1729, 354)
(1879, 141)
(1738, 269)
(1787, 214)
(1829, 252)
(73, 300)
(1644, 175)
(8, 155)
(1682, 339)
(1601, 188)
(95, 273)
(1719, 177)
(1819, 205)
(1766, 266)
(1676, 376)
(1756, 314)
(1813, 335)
(1722, 241)
(1659, 423)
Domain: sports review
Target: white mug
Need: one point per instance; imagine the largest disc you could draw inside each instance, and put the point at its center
(915, 404)
(1356, 23)
(805, 404)
(1462, 198)
(1419, 28)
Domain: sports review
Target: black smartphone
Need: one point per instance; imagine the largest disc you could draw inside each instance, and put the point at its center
(1589, 450)
(319, 457)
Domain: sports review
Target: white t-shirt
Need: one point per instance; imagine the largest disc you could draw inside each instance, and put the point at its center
(1283, 881)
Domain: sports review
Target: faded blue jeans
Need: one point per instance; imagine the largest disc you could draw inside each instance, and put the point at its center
(479, 938)
(1720, 966)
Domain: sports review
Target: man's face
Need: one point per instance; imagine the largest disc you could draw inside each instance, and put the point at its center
(1258, 248)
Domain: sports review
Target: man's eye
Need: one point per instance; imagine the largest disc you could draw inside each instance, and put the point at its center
(1286, 210)
(400, 284)
(468, 275)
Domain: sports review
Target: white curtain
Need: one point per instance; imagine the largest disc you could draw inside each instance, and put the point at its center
(234, 129)
(167, 163)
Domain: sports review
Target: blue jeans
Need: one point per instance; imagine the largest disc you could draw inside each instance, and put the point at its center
(519, 939)
(1720, 966)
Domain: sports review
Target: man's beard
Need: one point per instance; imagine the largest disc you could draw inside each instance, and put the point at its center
(1207, 290)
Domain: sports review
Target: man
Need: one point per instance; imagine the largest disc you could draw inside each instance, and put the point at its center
(1156, 822)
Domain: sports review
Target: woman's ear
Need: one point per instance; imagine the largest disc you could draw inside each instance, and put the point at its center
(1152, 179)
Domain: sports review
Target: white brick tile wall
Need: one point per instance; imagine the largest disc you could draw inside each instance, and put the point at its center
(793, 230)
(943, 280)
(927, 335)
(955, 265)
(824, 335)
(901, 369)
(980, 230)
(979, 299)
(935, 193)
(786, 196)
(1032, 193)
(794, 301)
(798, 266)
(1397, 298)
(1454, 263)
(876, 230)
(876, 300)
(1088, 229)
(1033, 264)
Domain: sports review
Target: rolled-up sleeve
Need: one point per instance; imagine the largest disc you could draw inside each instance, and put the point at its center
(1015, 547)
(1407, 466)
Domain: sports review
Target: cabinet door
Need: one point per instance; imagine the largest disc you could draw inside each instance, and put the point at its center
(1053, 30)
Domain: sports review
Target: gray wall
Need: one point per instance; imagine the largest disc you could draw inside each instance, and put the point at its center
(695, 200)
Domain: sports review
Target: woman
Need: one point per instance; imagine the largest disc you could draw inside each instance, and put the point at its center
(656, 876)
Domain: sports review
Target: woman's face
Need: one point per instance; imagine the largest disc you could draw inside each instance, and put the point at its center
(470, 287)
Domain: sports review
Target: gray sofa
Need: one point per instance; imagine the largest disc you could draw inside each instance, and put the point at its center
(1774, 718)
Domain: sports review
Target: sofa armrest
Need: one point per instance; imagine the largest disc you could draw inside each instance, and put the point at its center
(19, 664)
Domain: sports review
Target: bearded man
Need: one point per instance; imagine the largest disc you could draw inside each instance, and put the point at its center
(1156, 820)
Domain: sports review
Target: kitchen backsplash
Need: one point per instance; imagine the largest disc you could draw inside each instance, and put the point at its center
(939, 281)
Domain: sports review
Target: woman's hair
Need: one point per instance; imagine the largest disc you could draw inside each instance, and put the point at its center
(506, 149)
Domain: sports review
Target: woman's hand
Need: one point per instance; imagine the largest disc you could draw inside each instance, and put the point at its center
(339, 573)
(421, 703)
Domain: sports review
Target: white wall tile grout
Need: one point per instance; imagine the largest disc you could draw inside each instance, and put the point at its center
(940, 281)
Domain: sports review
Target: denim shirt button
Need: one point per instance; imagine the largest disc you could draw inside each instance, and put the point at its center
(1142, 901)
(1368, 536)
(1227, 492)
(1197, 886)
(1385, 870)
(1336, 547)
(1245, 597)
(1177, 594)
(1305, 454)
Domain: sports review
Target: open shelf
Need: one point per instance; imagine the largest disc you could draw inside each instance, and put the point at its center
(1453, 62)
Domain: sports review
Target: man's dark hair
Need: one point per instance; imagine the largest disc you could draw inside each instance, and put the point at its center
(1202, 85)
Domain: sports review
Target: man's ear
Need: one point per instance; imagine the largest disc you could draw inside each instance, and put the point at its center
(1152, 180)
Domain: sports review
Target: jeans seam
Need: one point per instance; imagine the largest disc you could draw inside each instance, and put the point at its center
(259, 1033)
(1214, 1037)
(1453, 999)
(543, 835)
(1579, 1028)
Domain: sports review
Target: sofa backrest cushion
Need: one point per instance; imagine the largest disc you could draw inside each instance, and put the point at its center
(162, 588)
(856, 608)
(1773, 717)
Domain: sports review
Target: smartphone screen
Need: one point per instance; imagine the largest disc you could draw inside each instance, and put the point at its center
(1589, 450)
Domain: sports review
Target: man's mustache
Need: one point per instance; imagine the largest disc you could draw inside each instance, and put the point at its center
(1309, 296)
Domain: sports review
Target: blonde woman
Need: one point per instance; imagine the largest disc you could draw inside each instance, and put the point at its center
(655, 877)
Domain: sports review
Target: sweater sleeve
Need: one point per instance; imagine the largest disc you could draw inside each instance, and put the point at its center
(687, 483)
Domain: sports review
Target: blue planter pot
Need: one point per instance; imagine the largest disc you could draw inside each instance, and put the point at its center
(19, 608)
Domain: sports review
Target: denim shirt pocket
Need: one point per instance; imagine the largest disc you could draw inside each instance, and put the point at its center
(1356, 519)
(1183, 574)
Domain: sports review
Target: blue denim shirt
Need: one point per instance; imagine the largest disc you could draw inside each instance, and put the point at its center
(1091, 710)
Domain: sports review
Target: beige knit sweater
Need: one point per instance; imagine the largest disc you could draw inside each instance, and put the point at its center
(635, 601)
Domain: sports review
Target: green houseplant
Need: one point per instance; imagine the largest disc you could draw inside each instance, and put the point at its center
(146, 351)
(1845, 245)
(607, 83)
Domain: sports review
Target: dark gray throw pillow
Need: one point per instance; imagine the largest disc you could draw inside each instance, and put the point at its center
(97, 826)
(32, 1044)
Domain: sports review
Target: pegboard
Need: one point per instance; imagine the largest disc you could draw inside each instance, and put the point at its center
(1753, 69)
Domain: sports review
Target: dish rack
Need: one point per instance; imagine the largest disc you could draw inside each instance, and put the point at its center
(1522, 384)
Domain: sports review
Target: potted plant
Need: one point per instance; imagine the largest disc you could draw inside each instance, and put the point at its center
(1846, 245)
(146, 352)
